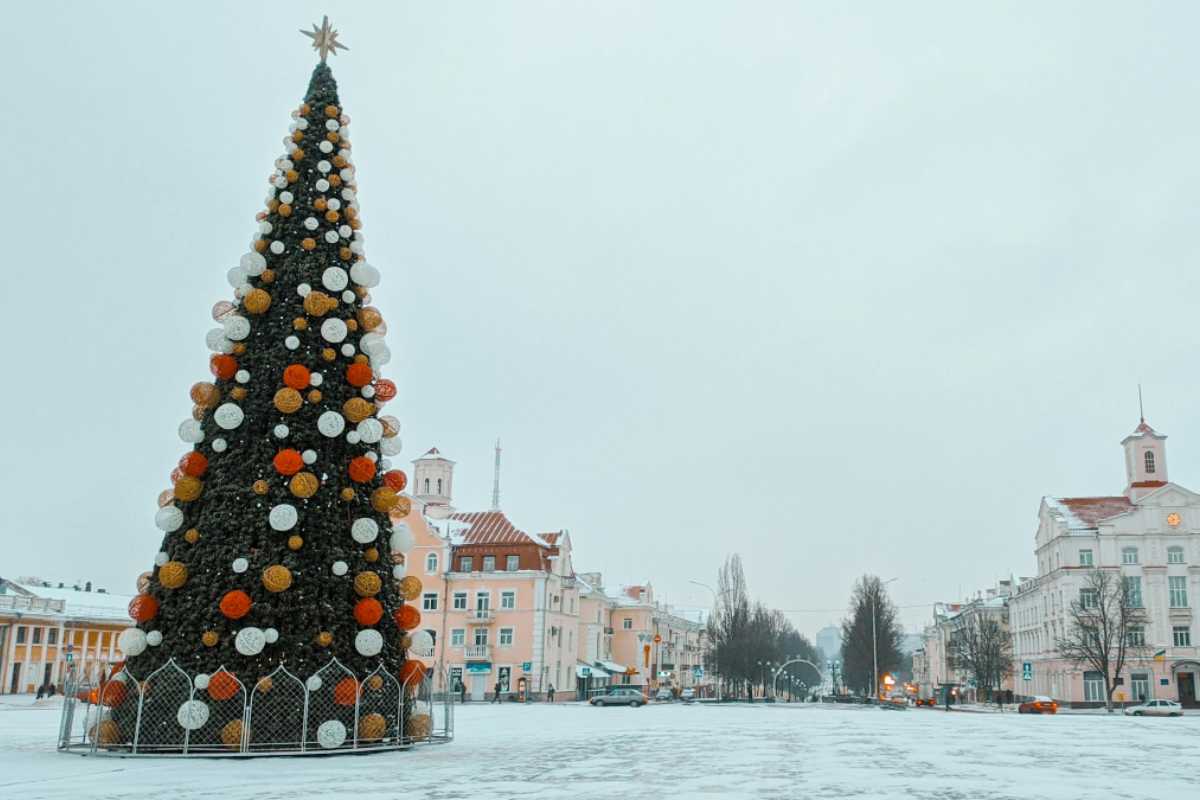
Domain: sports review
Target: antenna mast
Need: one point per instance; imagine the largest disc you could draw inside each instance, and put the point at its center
(496, 480)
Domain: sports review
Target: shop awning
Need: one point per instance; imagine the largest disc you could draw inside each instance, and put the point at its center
(614, 668)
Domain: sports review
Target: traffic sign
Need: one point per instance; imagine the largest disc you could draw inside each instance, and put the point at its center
(698, 672)
(657, 638)
(527, 666)
(1027, 670)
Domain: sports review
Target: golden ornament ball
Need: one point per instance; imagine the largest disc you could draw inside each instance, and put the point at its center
(292, 176)
(357, 409)
(288, 400)
(205, 395)
(231, 734)
(332, 216)
(272, 204)
(367, 584)
(346, 494)
(314, 396)
(106, 732)
(352, 324)
(410, 587)
(143, 582)
(324, 638)
(300, 324)
(403, 507)
(384, 500)
(297, 154)
(352, 212)
(333, 136)
(237, 393)
(362, 358)
(328, 354)
(188, 488)
(260, 246)
(372, 727)
(257, 301)
(331, 111)
(172, 574)
(308, 243)
(335, 180)
(405, 641)
(320, 204)
(198, 413)
(390, 428)
(260, 486)
(339, 161)
(264, 685)
(268, 276)
(375, 683)
(345, 252)
(317, 303)
(276, 578)
(305, 108)
(371, 555)
(285, 210)
(192, 536)
(295, 542)
(304, 484)
(419, 726)
(209, 638)
(297, 136)
(355, 224)
(239, 348)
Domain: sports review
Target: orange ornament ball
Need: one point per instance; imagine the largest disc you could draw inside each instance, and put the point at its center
(114, 693)
(358, 374)
(368, 611)
(295, 542)
(304, 484)
(384, 390)
(308, 243)
(188, 488)
(172, 574)
(346, 692)
(288, 461)
(205, 395)
(357, 409)
(143, 608)
(288, 401)
(407, 617)
(296, 376)
(209, 638)
(413, 672)
(277, 578)
(194, 464)
(367, 584)
(362, 469)
(223, 366)
(235, 604)
(222, 686)
(385, 500)
(257, 301)
(395, 479)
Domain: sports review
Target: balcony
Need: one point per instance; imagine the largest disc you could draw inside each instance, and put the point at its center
(481, 615)
(477, 652)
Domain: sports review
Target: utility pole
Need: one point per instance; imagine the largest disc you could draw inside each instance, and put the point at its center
(496, 479)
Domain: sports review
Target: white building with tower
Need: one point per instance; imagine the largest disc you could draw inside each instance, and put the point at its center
(1150, 535)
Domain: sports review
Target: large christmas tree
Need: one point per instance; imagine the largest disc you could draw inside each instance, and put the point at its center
(277, 544)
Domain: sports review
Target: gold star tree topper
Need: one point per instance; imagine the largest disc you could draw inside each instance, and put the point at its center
(324, 39)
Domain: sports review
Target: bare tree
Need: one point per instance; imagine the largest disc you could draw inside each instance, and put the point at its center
(982, 647)
(1106, 628)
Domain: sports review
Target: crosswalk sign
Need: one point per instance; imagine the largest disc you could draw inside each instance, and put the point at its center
(1027, 670)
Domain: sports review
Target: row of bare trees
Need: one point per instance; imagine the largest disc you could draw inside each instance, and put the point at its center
(747, 642)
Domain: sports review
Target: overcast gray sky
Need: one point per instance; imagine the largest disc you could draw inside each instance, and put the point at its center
(842, 290)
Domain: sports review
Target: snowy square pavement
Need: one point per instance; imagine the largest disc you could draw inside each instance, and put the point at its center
(662, 752)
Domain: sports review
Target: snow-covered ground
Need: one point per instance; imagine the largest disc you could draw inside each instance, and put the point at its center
(661, 753)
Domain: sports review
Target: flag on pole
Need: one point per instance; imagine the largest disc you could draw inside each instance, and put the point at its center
(1161, 655)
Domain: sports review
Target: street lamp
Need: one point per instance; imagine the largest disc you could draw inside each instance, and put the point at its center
(716, 648)
(875, 643)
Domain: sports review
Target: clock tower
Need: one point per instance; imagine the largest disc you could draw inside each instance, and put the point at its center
(1145, 461)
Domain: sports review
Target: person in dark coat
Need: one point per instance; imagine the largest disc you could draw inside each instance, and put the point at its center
(496, 696)
(550, 693)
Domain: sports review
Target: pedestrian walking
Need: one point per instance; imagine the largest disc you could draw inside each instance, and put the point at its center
(496, 696)
(550, 693)
(462, 691)
(41, 692)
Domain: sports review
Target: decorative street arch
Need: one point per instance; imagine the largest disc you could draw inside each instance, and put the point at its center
(785, 665)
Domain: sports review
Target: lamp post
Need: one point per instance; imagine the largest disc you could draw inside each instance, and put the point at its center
(716, 648)
(875, 643)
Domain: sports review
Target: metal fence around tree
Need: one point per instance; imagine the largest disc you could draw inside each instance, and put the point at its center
(172, 713)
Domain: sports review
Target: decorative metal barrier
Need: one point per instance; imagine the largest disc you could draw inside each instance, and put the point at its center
(170, 713)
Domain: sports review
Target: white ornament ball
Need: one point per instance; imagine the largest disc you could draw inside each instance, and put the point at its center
(192, 715)
(217, 341)
(347, 174)
(324, 166)
(364, 530)
(132, 641)
(371, 456)
(331, 424)
(236, 328)
(236, 277)
(368, 642)
(291, 342)
(349, 296)
(283, 517)
(339, 568)
(264, 228)
(421, 640)
(154, 638)
(271, 635)
(347, 349)
(367, 391)
(331, 237)
(380, 357)
(286, 197)
(331, 734)
(326, 146)
(311, 223)
(242, 376)
(200, 681)
(313, 683)
(309, 456)
(398, 571)
(370, 430)
(250, 641)
(331, 125)
(334, 203)
(402, 538)
(191, 431)
(219, 445)
(281, 431)
(335, 279)
(168, 519)
(161, 558)
(228, 416)
(391, 446)
(254, 263)
(364, 274)
(333, 330)
(352, 437)
(322, 185)
(240, 565)
(303, 289)
(277, 247)
(316, 379)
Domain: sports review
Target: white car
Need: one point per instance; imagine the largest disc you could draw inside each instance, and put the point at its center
(1155, 708)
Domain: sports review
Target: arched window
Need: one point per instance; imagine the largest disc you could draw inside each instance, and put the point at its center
(440, 484)
(1149, 461)
(427, 486)
(431, 563)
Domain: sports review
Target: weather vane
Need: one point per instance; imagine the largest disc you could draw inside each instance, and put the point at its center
(324, 39)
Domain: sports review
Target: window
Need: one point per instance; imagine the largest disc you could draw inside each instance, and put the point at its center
(508, 599)
(427, 486)
(489, 563)
(429, 601)
(440, 484)
(1133, 591)
(1093, 687)
(1088, 598)
(572, 611)
(1149, 459)
(460, 601)
(457, 637)
(1085, 558)
(37, 635)
(512, 563)
(627, 624)
(52, 636)
(506, 637)
(431, 563)
(21, 634)
(466, 564)
(1129, 555)
(1175, 555)
(481, 637)
(1182, 635)
(483, 600)
(1135, 636)
(1177, 589)
(1139, 686)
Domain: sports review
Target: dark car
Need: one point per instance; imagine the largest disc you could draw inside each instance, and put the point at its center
(620, 697)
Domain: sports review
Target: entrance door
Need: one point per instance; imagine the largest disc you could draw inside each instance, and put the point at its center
(478, 686)
(16, 679)
(46, 674)
(1187, 688)
(503, 674)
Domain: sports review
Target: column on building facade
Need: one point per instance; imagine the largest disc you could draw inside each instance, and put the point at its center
(57, 676)
(11, 657)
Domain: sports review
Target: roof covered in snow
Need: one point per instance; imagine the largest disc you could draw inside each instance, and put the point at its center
(1087, 512)
(79, 603)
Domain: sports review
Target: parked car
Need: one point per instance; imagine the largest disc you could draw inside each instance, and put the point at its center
(1039, 704)
(620, 697)
(688, 694)
(926, 701)
(664, 695)
(1155, 708)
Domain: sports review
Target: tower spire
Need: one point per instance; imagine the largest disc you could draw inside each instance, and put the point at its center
(1141, 408)
(496, 479)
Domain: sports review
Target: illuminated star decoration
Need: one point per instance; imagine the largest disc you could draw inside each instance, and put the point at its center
(324, 39)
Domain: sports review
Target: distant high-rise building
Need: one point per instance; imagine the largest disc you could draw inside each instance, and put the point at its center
(829, 642)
